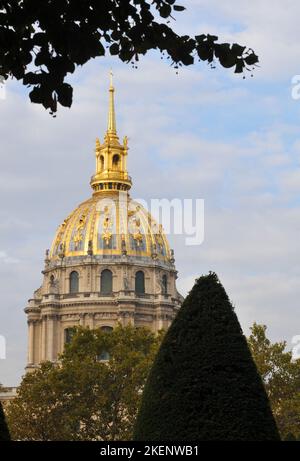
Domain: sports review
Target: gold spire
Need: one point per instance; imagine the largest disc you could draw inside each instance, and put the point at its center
(111, 156)
(111, 127)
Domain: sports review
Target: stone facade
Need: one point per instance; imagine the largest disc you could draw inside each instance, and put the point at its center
(54, 309)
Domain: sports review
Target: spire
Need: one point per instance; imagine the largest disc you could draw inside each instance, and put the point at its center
(111, 155)
(111, 127)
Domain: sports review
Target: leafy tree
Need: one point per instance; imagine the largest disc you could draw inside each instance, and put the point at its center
(42, 42)
(204, 384)
(86, 398)
(281, 377)
(4, 432)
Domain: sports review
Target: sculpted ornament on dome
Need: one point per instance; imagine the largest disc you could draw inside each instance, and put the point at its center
(159, 239)
(62, 250)
(90, 248)
(131, 213)
(61, 231)
(107, 223)
(78, 236)
(106, 237)
(154, 251)
(53, 286)
(138, 237)
(38, 293)
(172, 258)
(123, 245)
(98, 144)
(47, 259)
(136, 234)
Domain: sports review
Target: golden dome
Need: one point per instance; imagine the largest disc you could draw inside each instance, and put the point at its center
(110, 223)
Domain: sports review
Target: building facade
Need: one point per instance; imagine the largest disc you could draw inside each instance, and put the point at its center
(109, 262)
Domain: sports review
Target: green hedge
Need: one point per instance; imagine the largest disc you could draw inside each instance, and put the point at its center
(204, 384)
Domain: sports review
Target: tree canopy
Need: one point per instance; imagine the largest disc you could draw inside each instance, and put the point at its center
(204, 384)
(41, 42)
(86, 397)
(281, 377)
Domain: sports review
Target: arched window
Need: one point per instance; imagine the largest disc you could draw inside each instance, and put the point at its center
(101, 162)
(104, 354)
(106, 282)
(164, 284)
(115, 161)
(140, 282)
(52, 280)
(74, 282)
(68, 335)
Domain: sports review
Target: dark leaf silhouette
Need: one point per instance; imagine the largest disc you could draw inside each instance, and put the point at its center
(42, 42)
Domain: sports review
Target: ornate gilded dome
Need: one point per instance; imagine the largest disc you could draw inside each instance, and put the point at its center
(110, 223)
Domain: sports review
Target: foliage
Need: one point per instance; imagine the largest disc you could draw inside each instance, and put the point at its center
(4, 432)
(204, 384)
(85, 398)
(281, 377)
(43, 41)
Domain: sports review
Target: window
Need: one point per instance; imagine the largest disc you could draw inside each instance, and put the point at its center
(74, 282)
(115, 161)
(140, 282)
(68, 335)
(106, 281)
(104, 355)
(164, 284)
(101, 162)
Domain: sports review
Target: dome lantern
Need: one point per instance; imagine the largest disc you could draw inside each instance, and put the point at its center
(111, 156)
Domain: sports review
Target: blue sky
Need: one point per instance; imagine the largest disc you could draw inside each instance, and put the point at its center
(200, 134)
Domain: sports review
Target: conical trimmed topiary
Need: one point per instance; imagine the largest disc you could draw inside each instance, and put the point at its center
(4, 432)
(204, 384)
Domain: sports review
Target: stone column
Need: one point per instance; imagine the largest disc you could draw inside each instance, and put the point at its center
(44, 338)
(30, 357)
(90, 323)
(160, 320)
(81, 320)
(50, 337)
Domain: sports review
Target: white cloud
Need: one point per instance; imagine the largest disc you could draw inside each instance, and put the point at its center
(290, 180)
(4, 258)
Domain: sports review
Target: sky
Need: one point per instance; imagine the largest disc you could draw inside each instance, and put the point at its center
(204, 133)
